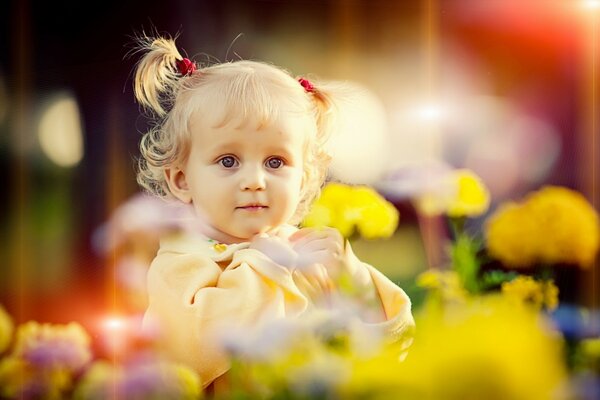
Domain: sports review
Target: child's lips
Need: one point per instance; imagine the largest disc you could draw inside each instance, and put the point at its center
(253, 207)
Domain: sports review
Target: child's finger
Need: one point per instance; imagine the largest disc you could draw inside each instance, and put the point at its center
(319, 274)
(309, 286)
(309, 237)
(321, 231)
(300, 234)
(318, 242)
(312, 245)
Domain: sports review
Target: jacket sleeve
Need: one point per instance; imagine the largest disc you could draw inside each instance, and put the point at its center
(391, 304)
(192, 300)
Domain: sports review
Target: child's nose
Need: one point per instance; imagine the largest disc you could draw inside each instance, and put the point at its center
(253, 178)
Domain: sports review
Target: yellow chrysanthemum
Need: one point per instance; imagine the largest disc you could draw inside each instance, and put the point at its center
(553, 225)
(526, 290)
(347, 208)
(6, 329)
(511, 236)
(463, 194)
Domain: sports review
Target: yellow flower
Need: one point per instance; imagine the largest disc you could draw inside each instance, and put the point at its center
(472, 199)
(97, 382)
(15, 375)
(552, 225)
(153, 379)
(465, 195)
(44, 360)
(53, 346)
(526, 290)
(591, 348)
(447, 283)
(461, 353)
(511, 236)
(6, 329)
(550, 296)
(347, 208)
(20, 379)
(378, 218)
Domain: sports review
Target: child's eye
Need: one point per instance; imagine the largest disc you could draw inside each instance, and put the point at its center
(228, 162)
(274, 162)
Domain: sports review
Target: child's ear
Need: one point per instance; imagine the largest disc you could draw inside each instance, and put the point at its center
(178, 185)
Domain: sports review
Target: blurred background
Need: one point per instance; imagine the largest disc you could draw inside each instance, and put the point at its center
(506, 88)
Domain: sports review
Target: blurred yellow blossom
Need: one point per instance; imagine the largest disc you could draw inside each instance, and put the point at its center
(378, 217)
(310, 357)
(588, 354)
(15, 376)
(526, 290)
(6, 329)
(591, 347)
(550, 295)
(20, 379)
(143, 379)
(347, 208)
(45, 361)
(53, 346)
(552, 225)
(467, 196)
(458, 354)
(447, 283)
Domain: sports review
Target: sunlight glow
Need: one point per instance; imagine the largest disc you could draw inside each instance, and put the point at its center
(115, 324)
(430, 112)
(592, 4)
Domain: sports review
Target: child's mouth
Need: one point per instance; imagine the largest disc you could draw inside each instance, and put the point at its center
(253, 207)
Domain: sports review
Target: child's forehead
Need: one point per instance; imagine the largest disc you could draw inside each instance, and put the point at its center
(284, 121)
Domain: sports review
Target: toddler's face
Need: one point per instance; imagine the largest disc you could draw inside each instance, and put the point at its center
(244, 181)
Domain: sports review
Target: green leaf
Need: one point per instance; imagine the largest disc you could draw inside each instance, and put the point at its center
(495, 278)
(465, 261)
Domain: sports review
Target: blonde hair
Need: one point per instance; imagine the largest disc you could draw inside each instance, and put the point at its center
(241, 90)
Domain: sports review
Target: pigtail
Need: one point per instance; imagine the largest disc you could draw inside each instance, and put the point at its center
(156, 77)
(353, 126)
(318, 157)
(351, 129)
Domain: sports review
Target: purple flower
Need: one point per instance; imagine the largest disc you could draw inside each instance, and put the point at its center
(50, 346)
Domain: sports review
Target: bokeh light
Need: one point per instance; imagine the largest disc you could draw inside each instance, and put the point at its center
(359, 149)
(60, 131)
(591, 4)
(430, 112)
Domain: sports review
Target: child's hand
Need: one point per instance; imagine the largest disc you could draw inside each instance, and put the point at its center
(276, 248)
(319, 246)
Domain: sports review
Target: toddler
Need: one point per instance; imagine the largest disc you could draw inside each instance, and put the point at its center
(243, 143)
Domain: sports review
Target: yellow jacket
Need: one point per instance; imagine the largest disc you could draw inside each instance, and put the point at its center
(197, 288)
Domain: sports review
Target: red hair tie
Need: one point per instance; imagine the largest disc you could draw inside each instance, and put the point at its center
(186, 66)
(306, 85)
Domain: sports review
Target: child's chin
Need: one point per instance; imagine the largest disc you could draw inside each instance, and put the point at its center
(248, 234)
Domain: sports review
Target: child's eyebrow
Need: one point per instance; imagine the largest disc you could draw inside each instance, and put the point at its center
(224, 147)
(286, 150)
